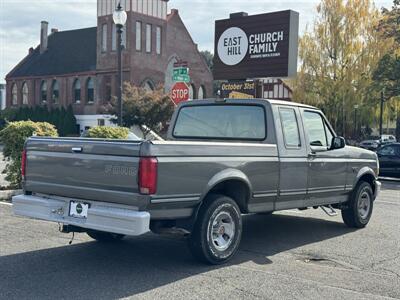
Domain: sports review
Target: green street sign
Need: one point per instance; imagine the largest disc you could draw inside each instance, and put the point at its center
(181, 71)
(181, 78)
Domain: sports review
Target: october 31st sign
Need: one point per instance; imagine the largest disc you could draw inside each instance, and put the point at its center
(256, 46)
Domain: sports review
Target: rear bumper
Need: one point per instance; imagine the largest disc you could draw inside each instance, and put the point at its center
(378, 185)
(101, 216)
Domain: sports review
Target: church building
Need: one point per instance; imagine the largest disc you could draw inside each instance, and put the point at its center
(79, 67)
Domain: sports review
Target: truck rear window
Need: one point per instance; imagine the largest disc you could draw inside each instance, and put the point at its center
(240, 122)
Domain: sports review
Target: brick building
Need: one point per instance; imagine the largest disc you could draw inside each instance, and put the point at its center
(78, 67)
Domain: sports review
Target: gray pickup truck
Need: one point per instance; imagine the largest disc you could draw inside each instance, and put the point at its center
(223, 158)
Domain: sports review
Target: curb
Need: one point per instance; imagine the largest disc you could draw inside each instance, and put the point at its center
(7, 194)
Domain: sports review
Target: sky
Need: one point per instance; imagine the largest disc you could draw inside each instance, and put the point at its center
(20, 20)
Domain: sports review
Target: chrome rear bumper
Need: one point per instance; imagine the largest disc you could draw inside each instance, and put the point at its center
(108, 217)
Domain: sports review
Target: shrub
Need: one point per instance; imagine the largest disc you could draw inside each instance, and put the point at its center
(63, 119)
(107, 132)
(13, 137)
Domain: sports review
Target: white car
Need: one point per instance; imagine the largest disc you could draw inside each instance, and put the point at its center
(387, 139)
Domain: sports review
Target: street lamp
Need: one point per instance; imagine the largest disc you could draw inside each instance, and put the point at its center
(119, 17)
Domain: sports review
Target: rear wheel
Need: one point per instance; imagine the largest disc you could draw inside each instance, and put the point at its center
(217, 231)
(359, 210)
(105, 237)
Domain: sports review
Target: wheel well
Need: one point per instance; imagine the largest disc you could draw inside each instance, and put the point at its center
(235, 189)
(368, 178)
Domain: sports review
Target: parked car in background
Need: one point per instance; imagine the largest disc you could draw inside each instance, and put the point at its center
(387, 139)
(370, 145)
(389, 160)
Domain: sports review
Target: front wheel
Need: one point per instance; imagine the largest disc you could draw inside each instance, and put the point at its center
(217, 231)
(104, 237)
(359, 210)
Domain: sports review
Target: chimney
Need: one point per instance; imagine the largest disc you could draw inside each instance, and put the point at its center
(53, 30)
(43, 36)
(238, 15)
(30, 50)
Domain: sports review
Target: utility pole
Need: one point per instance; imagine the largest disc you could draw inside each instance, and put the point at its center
(381, 116)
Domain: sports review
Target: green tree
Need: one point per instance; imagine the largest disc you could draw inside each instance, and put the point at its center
(208, 58)
(387, 73)
(338, 56)
(13, 137)
(150, 110)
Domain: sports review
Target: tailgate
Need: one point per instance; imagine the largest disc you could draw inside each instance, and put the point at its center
(83, 168)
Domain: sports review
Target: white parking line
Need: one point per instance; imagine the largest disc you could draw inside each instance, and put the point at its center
(5, 203)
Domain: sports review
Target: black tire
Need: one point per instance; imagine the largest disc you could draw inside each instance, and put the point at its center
(225, 214)
(105, 237)
(356, 214)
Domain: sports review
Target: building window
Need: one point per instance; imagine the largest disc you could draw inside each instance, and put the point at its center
(148, 38)
(77, 91)
(25, 93)
(104, 38)
(114, 38)
(148, 86)
(90, 90)
(55, 92)
(43, 92)
(158, 40)
(14, 94)
(138, 36)
(192, 92)
(202, 93)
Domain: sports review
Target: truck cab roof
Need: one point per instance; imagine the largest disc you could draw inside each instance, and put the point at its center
(249, 100)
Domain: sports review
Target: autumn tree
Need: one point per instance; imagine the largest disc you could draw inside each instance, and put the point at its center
(149, 110)
(338, 56)
(387, 73)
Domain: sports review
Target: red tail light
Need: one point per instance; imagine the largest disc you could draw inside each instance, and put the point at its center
(148, 175)
(23, 163)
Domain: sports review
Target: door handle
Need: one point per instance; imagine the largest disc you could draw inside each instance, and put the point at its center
(76, 149)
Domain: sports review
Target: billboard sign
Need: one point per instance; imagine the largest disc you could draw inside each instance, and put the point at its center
(256, 46)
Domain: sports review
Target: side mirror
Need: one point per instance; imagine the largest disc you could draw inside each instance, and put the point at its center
(338, 142)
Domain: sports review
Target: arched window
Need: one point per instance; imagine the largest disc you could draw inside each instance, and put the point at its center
(25, 93)
(55, 92)
(77, 91)
(202, 92)
(14, 94)
(148, 86)
(192, 92)
(43, 91)
(90, 90)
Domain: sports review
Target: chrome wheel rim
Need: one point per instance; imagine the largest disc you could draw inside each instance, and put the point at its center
(364, 204)
(222, 231)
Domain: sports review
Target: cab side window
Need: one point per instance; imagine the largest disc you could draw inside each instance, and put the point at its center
(290, 127)
(315, 129)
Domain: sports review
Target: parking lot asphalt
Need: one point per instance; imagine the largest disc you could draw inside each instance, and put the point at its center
(287, 255)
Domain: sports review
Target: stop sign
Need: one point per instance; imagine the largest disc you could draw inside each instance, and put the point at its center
(180, 93)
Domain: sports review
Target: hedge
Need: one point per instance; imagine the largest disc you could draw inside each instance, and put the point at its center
(63, 119)
(13, 137)
(107, 132)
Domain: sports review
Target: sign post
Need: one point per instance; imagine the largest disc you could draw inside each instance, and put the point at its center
(180, 93)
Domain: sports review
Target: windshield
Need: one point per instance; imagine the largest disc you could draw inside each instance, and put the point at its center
(241, 122)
